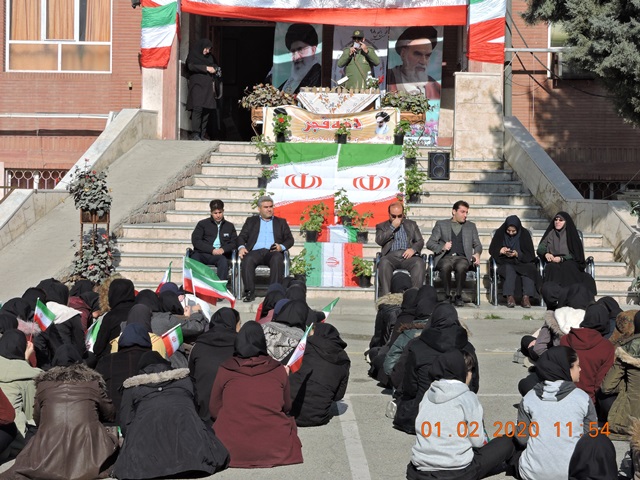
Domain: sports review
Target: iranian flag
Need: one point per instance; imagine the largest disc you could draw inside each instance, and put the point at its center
(165, 279)
(202, 281)
(327, 310)
(486, 30)
(159, 26)
(43, 316)
(341, 234)
(92, 334)
(332, 264)
(295, 362)
(172, 339)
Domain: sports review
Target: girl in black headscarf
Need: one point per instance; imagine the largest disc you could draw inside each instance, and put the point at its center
(211, 349)
(275, 292)
(284, 332)
(243, 418)
(322, 378)
(150, 299)
(512, 249)
(593, 459)
(563, 251)
(408, 309)
(121, 300)
(202, 96)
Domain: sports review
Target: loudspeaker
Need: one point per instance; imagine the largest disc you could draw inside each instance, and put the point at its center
(439, 165)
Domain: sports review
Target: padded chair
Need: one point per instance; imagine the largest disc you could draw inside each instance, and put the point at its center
(376, 261)
(261, 271)
(494, 278)
(473, 275)
(234, 269)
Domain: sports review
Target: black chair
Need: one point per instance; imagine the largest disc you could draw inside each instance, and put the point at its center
(473, 275)
(234, 269)
(376, 261)
(261, 271)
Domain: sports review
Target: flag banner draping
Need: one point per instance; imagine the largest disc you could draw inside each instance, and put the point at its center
(486, 30)
(373, 13)
(159, 26)
(332, 264)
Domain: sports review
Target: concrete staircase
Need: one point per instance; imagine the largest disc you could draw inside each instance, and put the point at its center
(490, 187)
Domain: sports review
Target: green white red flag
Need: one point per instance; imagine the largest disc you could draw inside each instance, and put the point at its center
(92, 334)
(332, 264)
(486, 30)
(295, 362)
(202, 281)
(43, 316)
(172, 339)
(328, 308)
(160, 23)
(165, 279)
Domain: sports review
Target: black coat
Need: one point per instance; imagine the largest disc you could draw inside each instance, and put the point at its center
(201, 83)
(110, 328)
(163, 434)
(251, 228)
(206, 232)
(322, 378)
(210, 350)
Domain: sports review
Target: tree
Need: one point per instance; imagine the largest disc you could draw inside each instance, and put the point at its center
(603, 37)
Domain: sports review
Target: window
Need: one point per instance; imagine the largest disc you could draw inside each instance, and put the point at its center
(558, 68)
(59, 35)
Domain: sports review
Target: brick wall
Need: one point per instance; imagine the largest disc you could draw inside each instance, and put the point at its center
(41, 143)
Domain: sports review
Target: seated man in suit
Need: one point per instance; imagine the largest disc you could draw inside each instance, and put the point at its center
(262, 240)
(456, 244)
(214, 239)
(401, 243)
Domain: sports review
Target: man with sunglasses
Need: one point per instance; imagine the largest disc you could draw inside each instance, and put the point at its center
(401, 243)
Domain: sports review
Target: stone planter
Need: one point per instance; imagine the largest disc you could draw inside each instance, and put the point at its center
(341, 138)
(281, 138)
(265, 159)
(311, 237)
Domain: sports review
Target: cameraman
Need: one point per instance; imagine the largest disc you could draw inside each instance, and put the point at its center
(358, 58)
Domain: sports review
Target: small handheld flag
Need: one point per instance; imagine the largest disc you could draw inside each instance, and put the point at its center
(295, 362)
(92, 334)
(327, 310)
(204, 283)
(165, 279)
(43, 316)
(172, 339)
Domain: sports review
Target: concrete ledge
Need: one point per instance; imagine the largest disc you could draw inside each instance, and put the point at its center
(555, 192)
(23, 208)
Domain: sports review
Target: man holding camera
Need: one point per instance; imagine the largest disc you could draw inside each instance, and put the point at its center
(262, 240)
(358, 58)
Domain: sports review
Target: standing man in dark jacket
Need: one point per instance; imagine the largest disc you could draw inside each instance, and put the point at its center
(263, 239)
(214, 239)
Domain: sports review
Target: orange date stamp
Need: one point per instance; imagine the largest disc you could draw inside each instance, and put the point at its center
(513, 429)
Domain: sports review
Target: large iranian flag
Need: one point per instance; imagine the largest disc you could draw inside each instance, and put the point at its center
(332, 264)
(374, 13)
(159, 27)
(486, 30)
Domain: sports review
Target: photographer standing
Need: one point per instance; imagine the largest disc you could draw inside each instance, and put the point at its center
(205, 86)
(358, 58)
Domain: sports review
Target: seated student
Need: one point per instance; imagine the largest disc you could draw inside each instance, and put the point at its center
(322, 378)
(8, 430)
(594, 458)
(121, 298)
(559, 413)
(284, 332)
(624, 379)
(256, 429)
(141, 314)
(163, 434)
(275, 292)
(388, 310)
(440, 451)
(71, 442)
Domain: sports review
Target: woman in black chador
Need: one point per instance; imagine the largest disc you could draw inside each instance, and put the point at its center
(205, 86)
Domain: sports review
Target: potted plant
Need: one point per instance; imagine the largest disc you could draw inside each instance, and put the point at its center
(301, 264)
(312, 219)
(373, 82)
(403, 127)
(264, 95)
(410, 185)
(410, 152)
(344, 207)
(267, 174)
(266, 150)
(281, 124)
(360, 223)
(90, 194)
(343, 132)
(413, 107)
(363, 269)
(94, 262)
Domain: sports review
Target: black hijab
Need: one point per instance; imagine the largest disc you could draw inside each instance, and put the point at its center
(270, 300)
(576, 249)
(297, 292)
(150, 299)
(81, 286)
(594, 458)
(31, 296)
(427, 301)
(140, 314)
(449, 366)
(92, 299)
(152, 358)
(171, 303)
(576, 296)
(512, 243)
(55, 291)
(409, 302)
(444, 315)
(596, 318)
(224, 318)
(17, 307)
(121, 293)
(7, 322)
(134, 335)
(250, 341)
(327, 343)
(554, 365)
(196, 55)
(294, 314)
(65, 356)
(611, 305)
(400, 283)
(13, 345)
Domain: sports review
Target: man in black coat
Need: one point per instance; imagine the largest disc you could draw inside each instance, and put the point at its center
(214, 239)
(262, 240)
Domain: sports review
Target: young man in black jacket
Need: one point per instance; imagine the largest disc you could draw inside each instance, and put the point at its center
(214, 239)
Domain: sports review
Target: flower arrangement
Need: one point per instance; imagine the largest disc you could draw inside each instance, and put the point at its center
(281, 123)
(89, 190)
(406, 102)
(373, 82)
(344, 128)
(270, 172)
(262, 95)
(95, 262)
(264, 147)
(317, 214)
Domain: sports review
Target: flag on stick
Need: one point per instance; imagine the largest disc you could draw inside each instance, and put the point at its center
(204, 283)
(165, 279)
(295, 362)
(327, 310)
(43, 316)
(172, 339)
(92, 334)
